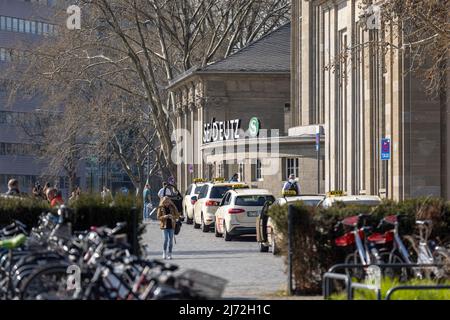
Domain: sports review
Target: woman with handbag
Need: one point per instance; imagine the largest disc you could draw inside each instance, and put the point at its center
(168, 216)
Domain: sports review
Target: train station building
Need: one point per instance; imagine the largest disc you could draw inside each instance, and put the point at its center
(364, 98)
(235, 116)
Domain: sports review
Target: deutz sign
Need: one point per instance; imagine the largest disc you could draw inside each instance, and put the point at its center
(221, 130)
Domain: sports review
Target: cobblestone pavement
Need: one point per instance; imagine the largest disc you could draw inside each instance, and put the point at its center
(251, 274)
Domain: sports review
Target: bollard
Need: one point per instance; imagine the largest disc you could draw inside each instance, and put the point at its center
(290, 246)
(135, 224)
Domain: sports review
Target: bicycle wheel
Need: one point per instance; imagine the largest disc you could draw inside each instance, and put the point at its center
(47, 283)
(394, 273)
(357, 272)
(442, 256)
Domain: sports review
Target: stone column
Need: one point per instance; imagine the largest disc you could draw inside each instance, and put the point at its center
(307, 85)
(179, 115)
(187, 147)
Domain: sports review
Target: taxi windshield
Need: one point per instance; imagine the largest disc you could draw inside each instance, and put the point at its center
(219, 191)
(253, 201)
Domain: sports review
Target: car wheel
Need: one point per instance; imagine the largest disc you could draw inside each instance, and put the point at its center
(275, 249)
(196, 225)
(263, 247)
(204, 227)
(216, 231)
(226, 235)
(188, 221)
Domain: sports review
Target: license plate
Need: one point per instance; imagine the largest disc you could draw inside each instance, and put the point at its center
(252, 213)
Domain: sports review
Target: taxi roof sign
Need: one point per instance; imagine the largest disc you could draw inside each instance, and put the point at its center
(219, 180)
(291, 193)
(199, 180)
(240, 186)
(337, 193)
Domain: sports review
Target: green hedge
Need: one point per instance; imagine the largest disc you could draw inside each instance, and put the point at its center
(314, 234)
(88, 211)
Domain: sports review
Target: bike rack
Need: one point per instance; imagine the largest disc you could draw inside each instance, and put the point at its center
(350, 285)
(406, 288)
(337, 276)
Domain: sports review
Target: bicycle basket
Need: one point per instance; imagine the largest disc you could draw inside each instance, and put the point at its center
(203, 284)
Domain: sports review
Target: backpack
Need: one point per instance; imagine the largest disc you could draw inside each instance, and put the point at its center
(291, 187)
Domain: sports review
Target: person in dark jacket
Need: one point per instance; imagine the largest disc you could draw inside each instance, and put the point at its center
(168, 216)
(13, 188)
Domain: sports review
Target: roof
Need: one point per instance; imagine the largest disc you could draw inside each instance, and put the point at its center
(304, 197)
(269, 54)
(354, 198)
(365, 200)
(251, 192)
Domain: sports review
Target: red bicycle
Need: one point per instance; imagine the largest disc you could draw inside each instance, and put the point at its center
(364, 247)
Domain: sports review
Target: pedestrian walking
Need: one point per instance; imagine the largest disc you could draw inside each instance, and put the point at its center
(147, 202)
(75, 195)
(168, 216)
(13, 188)
(291, 185)
(165, 191)
(38, 192)
(54, 197)
(235, 178)
(106, 195)
(47, 186)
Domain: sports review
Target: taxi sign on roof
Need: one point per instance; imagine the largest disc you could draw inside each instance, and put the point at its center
(289, 193)
(219, 180)
(199, 180)
(337, 193)
(240, 186)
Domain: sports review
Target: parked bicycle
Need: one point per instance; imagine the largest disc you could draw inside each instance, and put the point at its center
(385, 245)
(363, 246)
(53, 263)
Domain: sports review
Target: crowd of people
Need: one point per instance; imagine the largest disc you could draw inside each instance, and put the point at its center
(48, 193)
(167, 212)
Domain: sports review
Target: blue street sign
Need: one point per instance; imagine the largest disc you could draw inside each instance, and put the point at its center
(385, 149)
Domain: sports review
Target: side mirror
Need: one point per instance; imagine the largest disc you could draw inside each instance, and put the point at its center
(194, 199)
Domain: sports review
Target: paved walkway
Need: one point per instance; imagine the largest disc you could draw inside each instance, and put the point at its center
(251, 274)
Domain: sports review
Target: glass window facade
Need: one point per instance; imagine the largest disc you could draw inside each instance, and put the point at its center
(27, 26)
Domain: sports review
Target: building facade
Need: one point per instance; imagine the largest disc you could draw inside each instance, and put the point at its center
(22, 21)
(234, 116)
(360, 93)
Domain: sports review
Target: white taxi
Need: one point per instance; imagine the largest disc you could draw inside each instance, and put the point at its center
(335, 197)
(239, 210)
(267, 235)
(190, 198)
(208, 201)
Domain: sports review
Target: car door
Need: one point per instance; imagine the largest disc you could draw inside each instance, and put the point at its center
(200, 202)
(220, 213)
(187, 199)
(261, 223)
